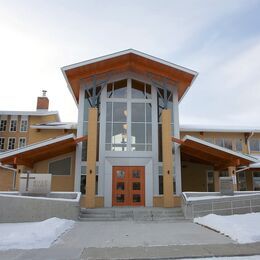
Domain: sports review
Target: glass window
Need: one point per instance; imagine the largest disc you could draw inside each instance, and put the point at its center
(120, 186)
(120, 198)
(239, 146)
(120, 174)
(138, 133)
(223, 142)
(136, 174)
(3, 124)
(209, 140)
(119, 133)
(254, 145)
(136, 198)
(228, 143)
(109, 112)
(160, 184)
(148, 112)
(2, 143)
(11, 143)
(242, 181)
(136, 186)
(117, 89)
(60, 167)
(116, 117)
(120, 90)
(256, 181)
(138, 89)
(210, 181)
(119, 112)
(24, 126)
(109, 133)
(83, 184)
(109, 90)
(13, 125)
(148, 133)
(83, 181)
(22, 142)
(89, 101)
(148, 91)
(138, 112)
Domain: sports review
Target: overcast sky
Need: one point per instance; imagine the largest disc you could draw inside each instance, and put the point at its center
(220, 39)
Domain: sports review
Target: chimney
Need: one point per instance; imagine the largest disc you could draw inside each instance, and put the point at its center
(43, 101)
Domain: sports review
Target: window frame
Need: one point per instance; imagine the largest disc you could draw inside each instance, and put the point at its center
(11, 126)
(4, 125)
(2, 143)
(9, 138)
(258, 144)
(21, 125)
(60, 159)
(22, 138)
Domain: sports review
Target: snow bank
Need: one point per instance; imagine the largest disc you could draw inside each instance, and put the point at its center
(32, 235)
(241, 228)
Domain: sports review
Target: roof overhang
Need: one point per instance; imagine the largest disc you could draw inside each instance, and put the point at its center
(128, 60)
(196, 150)
(50, 148)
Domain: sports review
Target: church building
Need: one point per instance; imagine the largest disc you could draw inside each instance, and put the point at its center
(128, 148)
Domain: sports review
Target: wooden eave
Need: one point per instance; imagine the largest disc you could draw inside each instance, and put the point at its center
(37, 154)
(200, 153)
(128, 62)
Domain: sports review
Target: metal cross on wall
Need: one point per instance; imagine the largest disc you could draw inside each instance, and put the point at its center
(27, 178)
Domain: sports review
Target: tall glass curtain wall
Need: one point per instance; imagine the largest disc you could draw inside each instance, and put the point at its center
(129, 120)
(129, 116)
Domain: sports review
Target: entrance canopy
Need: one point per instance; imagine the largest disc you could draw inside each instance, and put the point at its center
(199, 151)
(50, 148)
(128, 60)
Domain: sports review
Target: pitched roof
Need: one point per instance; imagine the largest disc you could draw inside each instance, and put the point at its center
(126, 60)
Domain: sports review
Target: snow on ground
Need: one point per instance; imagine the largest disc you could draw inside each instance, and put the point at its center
(32, 234)
(241, 228)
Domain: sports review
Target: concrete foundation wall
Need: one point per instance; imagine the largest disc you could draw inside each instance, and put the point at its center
(15, 208)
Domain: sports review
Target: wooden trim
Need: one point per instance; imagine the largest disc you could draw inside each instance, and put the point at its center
(176, 140)
(167, 159)
(81, 139)
(91, 158)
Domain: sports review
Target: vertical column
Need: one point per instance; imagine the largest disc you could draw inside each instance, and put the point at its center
(216, 181)
(232, 173)
(91, 158)
(249, 180)
(177, 152)
(167, 159)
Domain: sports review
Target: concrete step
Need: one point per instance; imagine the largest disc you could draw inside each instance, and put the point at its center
(128, 213)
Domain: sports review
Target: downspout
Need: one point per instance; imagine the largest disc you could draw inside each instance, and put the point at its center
(248, 143)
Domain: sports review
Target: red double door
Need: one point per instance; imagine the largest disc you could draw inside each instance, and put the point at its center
(128, 186)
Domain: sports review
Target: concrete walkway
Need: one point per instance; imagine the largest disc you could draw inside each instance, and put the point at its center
(136, 240)
(134, 234)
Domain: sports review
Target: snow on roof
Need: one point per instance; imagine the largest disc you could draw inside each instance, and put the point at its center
(30, 113)
(35, 145)
(120, 53)
(237, 154)
(217, 128)
(55, 125)
(257, 164)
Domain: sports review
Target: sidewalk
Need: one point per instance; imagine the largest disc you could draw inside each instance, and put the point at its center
(172, 252)
(136, 240)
